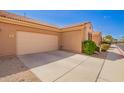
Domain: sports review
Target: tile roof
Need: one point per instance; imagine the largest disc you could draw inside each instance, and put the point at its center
(26, 19)
(22, 18)
(78, 24)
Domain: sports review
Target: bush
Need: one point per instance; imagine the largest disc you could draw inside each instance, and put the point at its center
(89, 47)
(104, 47)
(108, 39)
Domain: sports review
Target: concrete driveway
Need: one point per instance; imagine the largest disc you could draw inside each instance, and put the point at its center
(63, 66)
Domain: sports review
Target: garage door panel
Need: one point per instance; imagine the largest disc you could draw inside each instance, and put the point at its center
(34, 42)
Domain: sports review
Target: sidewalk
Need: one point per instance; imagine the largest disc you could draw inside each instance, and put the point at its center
(87, 71)
(113, 69)
(121, 49)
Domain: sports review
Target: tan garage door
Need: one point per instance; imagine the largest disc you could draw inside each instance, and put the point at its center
(27, 42)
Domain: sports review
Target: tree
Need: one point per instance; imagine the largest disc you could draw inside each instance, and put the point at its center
(108, 39)
(115, 40)
(122, 39)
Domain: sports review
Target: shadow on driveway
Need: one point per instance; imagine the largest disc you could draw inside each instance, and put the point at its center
(11, 64)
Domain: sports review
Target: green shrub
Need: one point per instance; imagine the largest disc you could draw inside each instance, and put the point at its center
(89, 47)
(104, 47)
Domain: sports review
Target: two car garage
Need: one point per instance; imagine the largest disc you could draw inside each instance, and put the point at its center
(20, 35)
(27, 42)
(19, 40)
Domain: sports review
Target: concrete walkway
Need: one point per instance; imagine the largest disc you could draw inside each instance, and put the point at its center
(87, 71)
(121, 48)
(61, 66)
(113, 69)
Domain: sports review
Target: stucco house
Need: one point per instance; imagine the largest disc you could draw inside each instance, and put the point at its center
(20, 35)
(97, 37)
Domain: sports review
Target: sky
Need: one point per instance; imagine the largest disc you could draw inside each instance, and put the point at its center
(109, 22)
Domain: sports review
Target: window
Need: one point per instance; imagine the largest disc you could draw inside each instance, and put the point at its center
(89, 36)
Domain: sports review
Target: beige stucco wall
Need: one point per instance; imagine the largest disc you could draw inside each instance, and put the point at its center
(70, 38)
(71, 41)
(97, 38)
(7, 40)
(8, 37)
(87, 28)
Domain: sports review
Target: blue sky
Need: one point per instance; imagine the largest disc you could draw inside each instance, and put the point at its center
(108, 22)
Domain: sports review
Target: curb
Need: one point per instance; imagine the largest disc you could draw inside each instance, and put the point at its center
(121, 51)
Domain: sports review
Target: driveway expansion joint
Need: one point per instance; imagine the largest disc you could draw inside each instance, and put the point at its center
(98, 76)
(71, 69)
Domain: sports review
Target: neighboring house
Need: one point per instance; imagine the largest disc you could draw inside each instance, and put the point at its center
(20, 35)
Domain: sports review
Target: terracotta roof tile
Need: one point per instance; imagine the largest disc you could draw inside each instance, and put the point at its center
(78, 24)
(22, 18)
